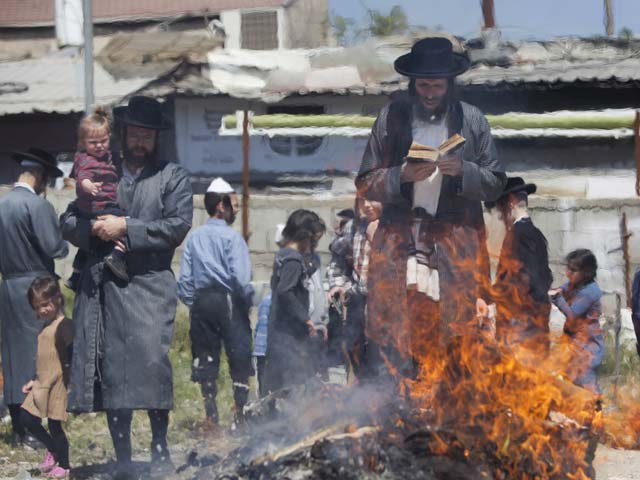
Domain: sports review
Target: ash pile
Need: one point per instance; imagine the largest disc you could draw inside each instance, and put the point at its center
(475, 412)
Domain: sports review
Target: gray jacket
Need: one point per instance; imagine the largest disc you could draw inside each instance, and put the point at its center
(29, 241)
(123, 330)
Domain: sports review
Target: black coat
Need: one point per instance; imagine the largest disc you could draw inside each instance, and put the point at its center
(523, 279)
(463, 262)
(29, 241)
(289, 359)
(130, 323)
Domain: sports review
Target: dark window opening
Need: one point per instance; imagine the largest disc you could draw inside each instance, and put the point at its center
(296, 109)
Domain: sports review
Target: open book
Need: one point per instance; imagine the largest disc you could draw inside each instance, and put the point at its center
(421, 153)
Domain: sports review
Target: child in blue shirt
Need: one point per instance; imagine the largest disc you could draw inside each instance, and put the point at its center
(579, 300)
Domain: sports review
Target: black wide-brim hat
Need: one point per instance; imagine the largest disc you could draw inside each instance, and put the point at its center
(432, 58)
(142, 112)
(514, 185)
(42, 158)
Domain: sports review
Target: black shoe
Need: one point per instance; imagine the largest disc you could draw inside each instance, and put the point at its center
(162, 466)
(117, 265)
(73, 282)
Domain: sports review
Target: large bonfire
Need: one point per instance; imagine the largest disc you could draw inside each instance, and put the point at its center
(471, 409)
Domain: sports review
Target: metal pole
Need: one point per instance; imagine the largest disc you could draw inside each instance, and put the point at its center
(87, 14)
(245, 176)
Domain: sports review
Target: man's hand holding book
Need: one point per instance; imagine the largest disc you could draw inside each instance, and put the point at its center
(422, 160)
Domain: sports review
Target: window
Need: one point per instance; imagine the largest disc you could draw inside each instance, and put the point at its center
(299, 146)
(259, 30)
(281, 144)
(307, 145)
(295, 146)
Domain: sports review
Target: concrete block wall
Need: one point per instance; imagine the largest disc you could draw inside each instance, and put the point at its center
(568, 223)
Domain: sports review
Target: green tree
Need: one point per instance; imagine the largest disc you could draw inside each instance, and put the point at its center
(394, 23)
(626, 34)
(342, 28)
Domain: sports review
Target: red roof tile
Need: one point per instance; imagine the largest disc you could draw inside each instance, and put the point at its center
(41, 12)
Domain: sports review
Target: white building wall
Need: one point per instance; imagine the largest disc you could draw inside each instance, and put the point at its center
(231, 21)
(204, 152)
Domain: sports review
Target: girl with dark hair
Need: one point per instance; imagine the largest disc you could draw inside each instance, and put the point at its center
(579, 300)
(289, 358)
(47, 393)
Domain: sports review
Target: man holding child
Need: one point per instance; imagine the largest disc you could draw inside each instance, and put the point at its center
(124, 328)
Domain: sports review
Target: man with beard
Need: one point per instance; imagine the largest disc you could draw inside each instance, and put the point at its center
(215, 283)
(428, 261)
(30, 238)
(124, 329)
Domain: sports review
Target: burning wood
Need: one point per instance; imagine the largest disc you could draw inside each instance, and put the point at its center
(478, 414)
(306, 442)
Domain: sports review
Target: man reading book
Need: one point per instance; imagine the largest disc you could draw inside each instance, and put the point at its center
(428, 261)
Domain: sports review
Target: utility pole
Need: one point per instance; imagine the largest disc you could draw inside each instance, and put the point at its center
(608, 17)
(488, 13)
(87, 15)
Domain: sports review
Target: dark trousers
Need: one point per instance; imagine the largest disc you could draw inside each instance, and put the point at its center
(119, 422)
(426, 342)
(218, 320)
(355, 341)
(261, 362)
(103, 248)
(336, 333)
(16, 421)
(55, 440)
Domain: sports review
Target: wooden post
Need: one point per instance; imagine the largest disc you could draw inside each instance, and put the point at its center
(618, 357)
(636, 141)
(608, 17)
(624, 234)
(488, 13)
(245, 176)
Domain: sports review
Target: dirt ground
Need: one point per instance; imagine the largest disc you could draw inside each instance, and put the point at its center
(611, 464)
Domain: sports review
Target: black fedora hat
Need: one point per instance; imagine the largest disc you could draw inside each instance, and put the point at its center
(514, 185)
(142, 112)
(40, 157)
(432, 58)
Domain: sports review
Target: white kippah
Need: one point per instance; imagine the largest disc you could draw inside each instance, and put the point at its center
(219, 185)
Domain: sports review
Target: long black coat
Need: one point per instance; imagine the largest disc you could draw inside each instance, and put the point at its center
(124, 329)
(462, 256)
(523, 279)
(29, 241)
(289, 359)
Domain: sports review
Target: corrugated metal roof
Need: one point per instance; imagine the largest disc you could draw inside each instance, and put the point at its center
(367, 69)
(56, 84)
(42, 12)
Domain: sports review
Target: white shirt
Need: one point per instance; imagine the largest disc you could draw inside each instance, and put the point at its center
(24, 185)
(426, 193)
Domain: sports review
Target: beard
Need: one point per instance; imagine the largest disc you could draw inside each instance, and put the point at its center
(139, 157)
(425, 113)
